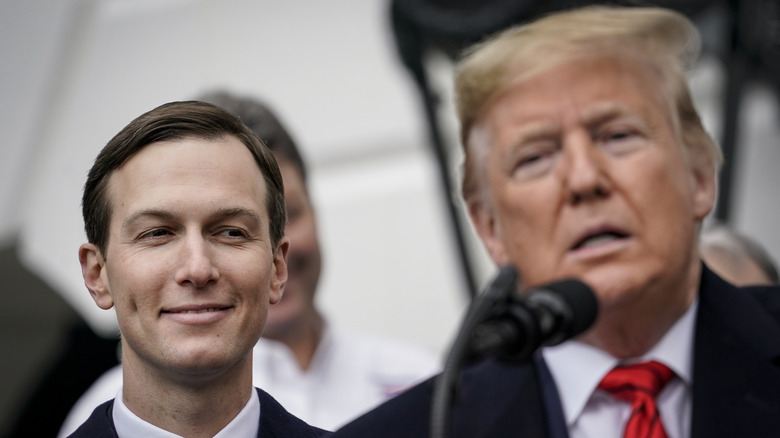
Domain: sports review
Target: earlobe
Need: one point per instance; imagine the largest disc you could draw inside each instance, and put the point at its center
(92, 266)
(279, 274)
(485, 225)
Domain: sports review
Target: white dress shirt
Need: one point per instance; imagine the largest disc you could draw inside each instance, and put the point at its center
(349, 374)
(577, 369)
(128, 425)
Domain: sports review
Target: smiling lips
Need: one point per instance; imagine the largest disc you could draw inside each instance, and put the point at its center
(197, 315)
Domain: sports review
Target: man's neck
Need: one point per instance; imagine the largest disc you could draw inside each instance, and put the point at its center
(183, 405)
(303, 340)
(629, 331)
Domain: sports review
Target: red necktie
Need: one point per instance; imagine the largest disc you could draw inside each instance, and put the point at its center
(639, 384)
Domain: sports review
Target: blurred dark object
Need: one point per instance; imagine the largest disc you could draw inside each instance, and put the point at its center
(50, 355)
(752, 53)
(85, 358)
(749, 31)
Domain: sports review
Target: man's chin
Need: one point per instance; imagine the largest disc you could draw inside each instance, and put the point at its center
(204, 368)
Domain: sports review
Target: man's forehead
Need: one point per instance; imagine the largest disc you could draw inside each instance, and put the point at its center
(591, 89)
(152, 171)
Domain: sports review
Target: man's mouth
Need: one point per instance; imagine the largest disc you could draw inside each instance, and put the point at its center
(209, 309)
(599, 238)
(196, 315)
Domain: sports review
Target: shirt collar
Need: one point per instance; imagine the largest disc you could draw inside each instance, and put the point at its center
(247, 422)
(577, 368)
(127, 424)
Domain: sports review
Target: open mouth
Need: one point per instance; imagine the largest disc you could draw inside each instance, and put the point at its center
(599, 238)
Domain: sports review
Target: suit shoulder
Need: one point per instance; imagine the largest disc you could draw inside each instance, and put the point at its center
(768, 297)
(99, 424)
(276, 421)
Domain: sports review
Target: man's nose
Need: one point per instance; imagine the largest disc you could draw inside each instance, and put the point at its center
(196, 262)
(583, 172)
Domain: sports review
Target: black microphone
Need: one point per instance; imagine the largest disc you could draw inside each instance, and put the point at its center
(519, 324)
(505, 324)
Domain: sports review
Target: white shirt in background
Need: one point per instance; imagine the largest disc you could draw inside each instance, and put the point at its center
(350, 374)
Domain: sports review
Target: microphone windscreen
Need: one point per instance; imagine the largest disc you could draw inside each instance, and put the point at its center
(582, 302)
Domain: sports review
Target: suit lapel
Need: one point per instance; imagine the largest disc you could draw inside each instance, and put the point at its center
(276, 422)
(736, 379)
(500, 401)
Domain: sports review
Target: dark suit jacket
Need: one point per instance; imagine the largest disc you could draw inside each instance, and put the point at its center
(736, 381)
(275, 422)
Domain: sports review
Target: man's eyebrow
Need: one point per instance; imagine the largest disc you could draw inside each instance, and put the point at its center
(604, 112)
(236, 212)
(145, 214)
(533, 130)
(219, 214)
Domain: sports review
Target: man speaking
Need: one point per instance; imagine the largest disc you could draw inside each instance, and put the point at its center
(585, 158)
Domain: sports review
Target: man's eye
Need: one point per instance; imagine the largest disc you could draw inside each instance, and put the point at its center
(620, 135)
(155, 233)
(621, 141)
(233, 233)
(534, 162)
(531, 159)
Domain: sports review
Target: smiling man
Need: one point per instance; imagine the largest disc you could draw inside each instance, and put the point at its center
(184, 212)
(585, 158)
(321, 373)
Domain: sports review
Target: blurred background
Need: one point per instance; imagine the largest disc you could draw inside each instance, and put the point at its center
(364, 86)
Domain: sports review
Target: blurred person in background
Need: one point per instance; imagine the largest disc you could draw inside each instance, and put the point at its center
(322, 374)
(735, 257)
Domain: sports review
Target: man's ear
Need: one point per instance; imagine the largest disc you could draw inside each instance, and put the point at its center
(92, 267)
(279, 273)
(705, 187)
(484, 221)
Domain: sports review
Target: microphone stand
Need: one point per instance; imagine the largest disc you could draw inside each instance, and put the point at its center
(446, 385)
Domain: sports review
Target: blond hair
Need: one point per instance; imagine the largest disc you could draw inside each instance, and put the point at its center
(660, 39)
